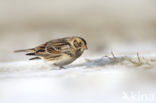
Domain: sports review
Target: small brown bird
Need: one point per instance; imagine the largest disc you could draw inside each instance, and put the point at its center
(58, 52)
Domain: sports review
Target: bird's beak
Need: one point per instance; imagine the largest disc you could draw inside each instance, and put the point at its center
(85, 48)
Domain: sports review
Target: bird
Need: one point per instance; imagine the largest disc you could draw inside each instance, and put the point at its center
(58, 52)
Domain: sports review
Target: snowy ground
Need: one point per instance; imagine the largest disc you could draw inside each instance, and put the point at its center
(122, 26)
(116, 78)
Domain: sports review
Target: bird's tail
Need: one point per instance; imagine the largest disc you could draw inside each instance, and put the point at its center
(30, 52)
(25, 50)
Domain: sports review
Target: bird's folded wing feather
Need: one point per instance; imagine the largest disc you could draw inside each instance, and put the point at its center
(52, 48)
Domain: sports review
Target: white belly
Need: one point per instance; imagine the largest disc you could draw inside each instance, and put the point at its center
(61, 61)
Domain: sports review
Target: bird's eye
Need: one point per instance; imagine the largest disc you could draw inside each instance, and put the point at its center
(80, 44)
(76, 44)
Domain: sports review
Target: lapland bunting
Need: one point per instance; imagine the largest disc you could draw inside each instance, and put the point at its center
(58, 52)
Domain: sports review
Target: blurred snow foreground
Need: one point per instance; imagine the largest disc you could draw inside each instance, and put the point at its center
(102, 79)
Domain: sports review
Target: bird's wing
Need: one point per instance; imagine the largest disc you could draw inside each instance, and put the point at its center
(54, 47)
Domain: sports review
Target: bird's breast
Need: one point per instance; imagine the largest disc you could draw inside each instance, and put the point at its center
(62, 60)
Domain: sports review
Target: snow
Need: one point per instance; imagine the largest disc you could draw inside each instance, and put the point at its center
(96, 79)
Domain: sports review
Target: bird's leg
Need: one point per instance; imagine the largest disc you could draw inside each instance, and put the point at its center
(61, 67)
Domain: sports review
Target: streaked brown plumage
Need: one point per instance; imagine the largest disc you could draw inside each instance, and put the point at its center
(58, 52)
